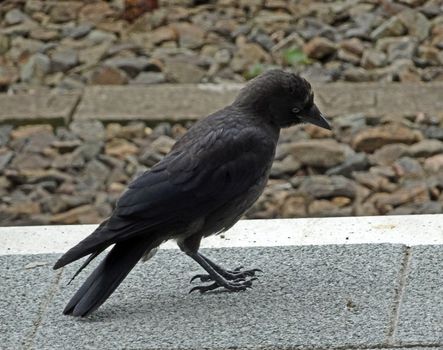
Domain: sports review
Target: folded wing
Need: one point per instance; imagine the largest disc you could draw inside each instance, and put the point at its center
(192, 181)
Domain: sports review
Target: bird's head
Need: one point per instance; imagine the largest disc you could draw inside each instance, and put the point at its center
(284, 97)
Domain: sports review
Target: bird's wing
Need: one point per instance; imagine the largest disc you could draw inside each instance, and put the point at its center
(193, 180)
(190, 181)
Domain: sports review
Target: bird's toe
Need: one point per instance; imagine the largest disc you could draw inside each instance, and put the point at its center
(239, 274)
(237, 285)
(201, 277)
(204, 289)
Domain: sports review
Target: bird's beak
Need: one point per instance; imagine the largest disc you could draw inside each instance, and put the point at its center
(314, 116)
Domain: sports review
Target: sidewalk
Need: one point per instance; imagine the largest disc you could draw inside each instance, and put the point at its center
(365, 295)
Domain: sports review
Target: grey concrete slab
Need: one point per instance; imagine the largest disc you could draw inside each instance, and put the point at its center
(430, 347)
(39, 107)
(344, 98)
(409, 98)
(191, 101)
(311, 296)
(188, 102)
(152, 103)
(421, 310)
(25, 284)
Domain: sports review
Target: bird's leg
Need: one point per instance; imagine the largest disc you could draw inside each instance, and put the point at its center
(232, 275)
(219, 280)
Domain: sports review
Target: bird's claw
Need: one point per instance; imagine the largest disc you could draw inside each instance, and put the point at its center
(237, 269)
(203, 289)
(247, 273)
(202, 277)
(232, 286)
(234, 275)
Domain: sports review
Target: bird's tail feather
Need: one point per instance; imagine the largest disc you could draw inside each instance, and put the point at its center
(86, 263)
(90, 245)
(107, 276)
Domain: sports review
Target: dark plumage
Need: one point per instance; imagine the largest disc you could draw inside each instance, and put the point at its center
(212, 175)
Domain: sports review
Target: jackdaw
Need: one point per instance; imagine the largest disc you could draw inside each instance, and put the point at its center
(211, 176)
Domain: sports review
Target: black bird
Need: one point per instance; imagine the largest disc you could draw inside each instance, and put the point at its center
(212, 175)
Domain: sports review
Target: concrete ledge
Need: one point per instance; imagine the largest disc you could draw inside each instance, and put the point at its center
(39, 107)
(327, 293)
(187, 102)
(402, 229)
(153, 103)
(182, 102)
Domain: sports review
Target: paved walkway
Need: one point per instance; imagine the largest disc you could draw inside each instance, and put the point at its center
(370, 295)
(181, 102)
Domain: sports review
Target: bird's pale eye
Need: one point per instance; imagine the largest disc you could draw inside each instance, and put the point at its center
(296, 110)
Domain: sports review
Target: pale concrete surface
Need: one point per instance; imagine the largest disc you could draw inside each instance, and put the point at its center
(38, 107)
(369, 296)
(418, 320)
(24, 289)
(402, 229)
(151, 103)
(182, 102)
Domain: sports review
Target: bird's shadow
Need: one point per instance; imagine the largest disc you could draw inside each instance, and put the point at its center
(117, 311)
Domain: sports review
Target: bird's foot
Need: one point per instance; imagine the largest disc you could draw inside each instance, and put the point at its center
(232, 285)
(234, 281)
(235, 275)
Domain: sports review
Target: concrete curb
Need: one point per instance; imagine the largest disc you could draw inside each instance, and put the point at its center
(329, 283)
(369, 296)
(403, 229)
(38, 108)
(182, 102)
